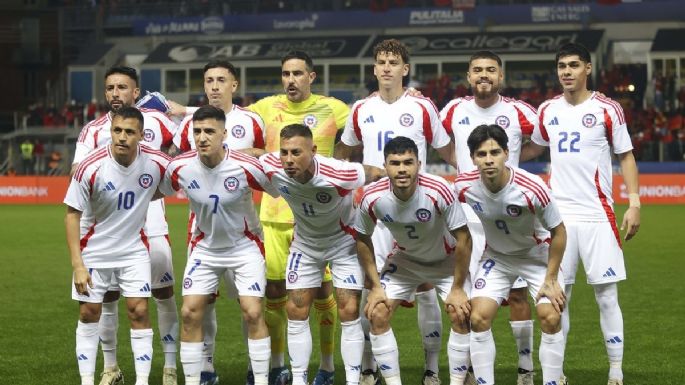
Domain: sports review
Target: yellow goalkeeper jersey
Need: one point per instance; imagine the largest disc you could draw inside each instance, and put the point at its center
(323, 115)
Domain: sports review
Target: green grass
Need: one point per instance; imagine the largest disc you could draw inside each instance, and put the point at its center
(38, 317)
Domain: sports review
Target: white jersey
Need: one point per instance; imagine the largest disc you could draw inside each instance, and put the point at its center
(245, 129)
(117, 198)
(462, 115)
(158, 131)
(515, 219)
(220, 199)
(374, 122)
(420, 225)
(580, 139)
(323, 207)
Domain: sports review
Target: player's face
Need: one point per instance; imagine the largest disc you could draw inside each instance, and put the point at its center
(120, 91)
(219, 87)
(297, 157)
(485, 77)
(126, 134)
(402, 170)
(573, 73)
(297, 81)
(490, 158)
(390, 69)
(209, 135)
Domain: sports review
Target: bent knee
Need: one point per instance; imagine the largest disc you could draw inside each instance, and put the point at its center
(479, 322)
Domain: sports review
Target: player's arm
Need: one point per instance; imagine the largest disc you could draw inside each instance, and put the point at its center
(373, 174)
(72, 222)
(631, 219)
(365, 253)
(256, 152)
(457, 300)
(345, 152)
(530, 150)
(551, 287)
(447, 154)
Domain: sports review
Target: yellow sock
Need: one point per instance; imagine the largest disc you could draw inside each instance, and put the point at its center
(276, 321)
(327, 317)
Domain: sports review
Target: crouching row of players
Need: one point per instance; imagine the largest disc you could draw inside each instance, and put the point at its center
(523, 228)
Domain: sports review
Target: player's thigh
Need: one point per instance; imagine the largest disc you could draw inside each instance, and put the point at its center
(346, 270)
(248, 270)
(134, 280)
(601, 253)
(277, 240)
(534, 271)
(493, 279)
(200, 278)
(162, 270)
(569, 263)
(101, 279)
(400, 277)
(304, 271)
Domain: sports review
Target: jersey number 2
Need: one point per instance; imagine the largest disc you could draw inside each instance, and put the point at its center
(572, 138)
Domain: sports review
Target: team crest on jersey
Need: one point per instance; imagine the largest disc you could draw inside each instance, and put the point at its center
(187, 283)
(480, 283)
(502, 121)
(292, 277)
(145, 180)
(589, 120)
(238, 131)
(423, 215)
(406, 120)
(231, 183)
(310, 121)
(513, 210)
(148, 135)
(323, 197)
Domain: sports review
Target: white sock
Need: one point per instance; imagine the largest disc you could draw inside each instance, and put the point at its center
(523, 333)
(141, 346)
(368, 362)
(299, 349)
(107, 330)
(260, 355)
(141, 380)
(326, 362)
(386, 353)
(86, 350)
(88, 380)
(566, 314)
(551, 356)
(209, 330)
(458, 357)
(611, 322)
(191, 360)
(483, 356)
(351, 348)
(167, 320)
(430, 325)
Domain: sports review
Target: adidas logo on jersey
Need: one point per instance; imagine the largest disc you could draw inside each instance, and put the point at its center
(109, 187)
(609, 273)
(477, 207)
(350, 279)
(387, 218)
(254, 287)
(144, 357)
(369, 119)
(465, 121)
(193, 185)
(284, 190)
(553, 122)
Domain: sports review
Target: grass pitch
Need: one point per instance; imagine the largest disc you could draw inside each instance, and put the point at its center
(38, 317)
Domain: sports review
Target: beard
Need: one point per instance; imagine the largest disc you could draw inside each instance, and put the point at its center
(482, 94)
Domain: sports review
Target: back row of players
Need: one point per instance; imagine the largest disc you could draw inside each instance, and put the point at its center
(579, 126)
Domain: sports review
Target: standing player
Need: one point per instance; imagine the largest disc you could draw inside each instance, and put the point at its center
(424, 219)
(461, 116)
(319, 191)
(582, 129)
(121, 90)
(373, 122)
(114, 185)
(226, 240)
(525, 238)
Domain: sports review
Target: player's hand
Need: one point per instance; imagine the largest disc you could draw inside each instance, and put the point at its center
(82, 280)
(552, 290)
(175, 109)
(411, 91)
(631, 221)
(457, 304)
(376, 297)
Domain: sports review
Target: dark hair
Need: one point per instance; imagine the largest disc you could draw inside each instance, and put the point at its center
(299, 55)
(123, 70)
(129, 112)
(221, 63)
(209, 112)
(400, 145)
(296, 129)
(570, 49)
(392, 46)
(484, 132)
(486, 55)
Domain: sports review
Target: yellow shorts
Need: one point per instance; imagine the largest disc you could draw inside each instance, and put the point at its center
(277, 239)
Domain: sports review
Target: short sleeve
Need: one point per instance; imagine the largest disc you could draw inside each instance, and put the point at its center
(351, 135)
(540, 135)
(365, 220)
(78, 193)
